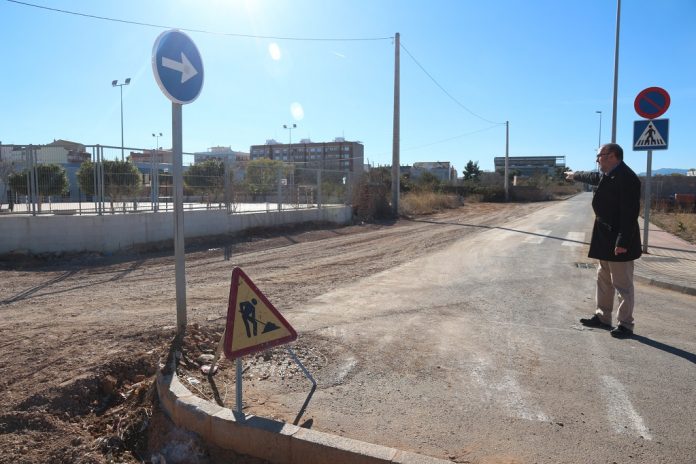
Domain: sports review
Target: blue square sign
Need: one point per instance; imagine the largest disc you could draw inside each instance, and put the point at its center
(650, 134)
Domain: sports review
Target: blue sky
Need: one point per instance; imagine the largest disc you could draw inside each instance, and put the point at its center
(544, 65)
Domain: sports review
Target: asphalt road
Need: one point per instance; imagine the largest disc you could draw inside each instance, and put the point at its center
(474, 353)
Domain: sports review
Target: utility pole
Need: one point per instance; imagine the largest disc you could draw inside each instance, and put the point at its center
(396, 164)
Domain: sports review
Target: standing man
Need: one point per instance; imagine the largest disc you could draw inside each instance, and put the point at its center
(615, 237)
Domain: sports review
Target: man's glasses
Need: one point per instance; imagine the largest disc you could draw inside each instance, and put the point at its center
(603, 154)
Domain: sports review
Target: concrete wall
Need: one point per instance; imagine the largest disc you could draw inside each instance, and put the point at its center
(59, 233)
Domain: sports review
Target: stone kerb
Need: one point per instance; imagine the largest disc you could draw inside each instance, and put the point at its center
(277, 442)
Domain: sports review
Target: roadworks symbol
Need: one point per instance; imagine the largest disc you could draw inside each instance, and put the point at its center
(253, 323)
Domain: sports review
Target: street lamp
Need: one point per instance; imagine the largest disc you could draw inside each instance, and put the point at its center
(116, 84)
(157, 135)
(154, 171)
(290, 128)
(599, 141)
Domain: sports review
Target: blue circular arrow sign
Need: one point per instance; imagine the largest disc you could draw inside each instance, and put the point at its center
(177, 67)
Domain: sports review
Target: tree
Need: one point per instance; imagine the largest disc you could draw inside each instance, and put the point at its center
(122, 180)
(428, 181)
(51, 179)
(262, 175)
(381, 175)
(472, 171)
(206, 178)
(6, 169)
(405, 183)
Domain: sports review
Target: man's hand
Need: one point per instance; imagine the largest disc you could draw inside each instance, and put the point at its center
(569, 175)
(619, 250)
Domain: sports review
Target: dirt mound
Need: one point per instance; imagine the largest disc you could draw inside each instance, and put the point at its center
(95, 418)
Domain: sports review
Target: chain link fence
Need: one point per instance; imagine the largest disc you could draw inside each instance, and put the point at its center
(114, 180)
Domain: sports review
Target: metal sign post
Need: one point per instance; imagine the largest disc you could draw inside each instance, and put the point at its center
(646, 201)
(178, 70)
(178, 178)
(238, 386)
(648, 135)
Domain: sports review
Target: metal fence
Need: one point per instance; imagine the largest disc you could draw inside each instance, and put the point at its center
(114, 180)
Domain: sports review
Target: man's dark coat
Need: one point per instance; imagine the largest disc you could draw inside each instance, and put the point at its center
(616, 205)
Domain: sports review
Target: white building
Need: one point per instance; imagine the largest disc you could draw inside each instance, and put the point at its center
(220, 154)
(59, 152)
(440, 169)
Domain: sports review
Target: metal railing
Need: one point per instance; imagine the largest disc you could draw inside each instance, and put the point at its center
(45, 180)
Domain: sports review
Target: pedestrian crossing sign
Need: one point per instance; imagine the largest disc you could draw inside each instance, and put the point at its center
(650, 134)
(253, 323)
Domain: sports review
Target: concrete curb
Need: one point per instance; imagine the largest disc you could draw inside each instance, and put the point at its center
(667, 285)
(274, 441)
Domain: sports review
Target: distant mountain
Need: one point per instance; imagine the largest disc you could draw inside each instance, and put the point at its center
(666, 172)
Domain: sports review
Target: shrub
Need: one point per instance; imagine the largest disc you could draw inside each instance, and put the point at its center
(418, 203)
(370, 200)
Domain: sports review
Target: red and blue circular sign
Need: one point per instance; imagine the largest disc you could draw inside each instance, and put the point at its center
(652, 102)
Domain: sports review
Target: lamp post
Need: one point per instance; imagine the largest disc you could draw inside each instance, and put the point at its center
(291, 158)
(616, 72)
(290, 127)
(116, 84)
(154, 171)
(599, 140)
(157, 135)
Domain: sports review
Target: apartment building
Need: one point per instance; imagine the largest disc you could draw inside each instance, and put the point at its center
(338, 155)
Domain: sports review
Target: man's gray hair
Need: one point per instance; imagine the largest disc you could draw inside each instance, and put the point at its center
(616, 149)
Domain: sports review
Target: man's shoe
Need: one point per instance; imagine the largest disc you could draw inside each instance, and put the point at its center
(621, 332)
(594, 321)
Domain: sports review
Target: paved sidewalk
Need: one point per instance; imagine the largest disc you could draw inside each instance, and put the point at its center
(669, 263)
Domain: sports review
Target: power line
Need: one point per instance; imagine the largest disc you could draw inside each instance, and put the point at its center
(443, 140)
(445, 91)
(201, 31)
(495, 124)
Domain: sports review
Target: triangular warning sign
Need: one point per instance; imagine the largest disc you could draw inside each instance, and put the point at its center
(253, 323)
(650, 138)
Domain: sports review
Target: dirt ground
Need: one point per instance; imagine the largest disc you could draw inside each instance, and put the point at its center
(82, 336)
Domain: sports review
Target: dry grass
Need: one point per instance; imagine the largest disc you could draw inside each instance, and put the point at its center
(681, 224)
(417, 203)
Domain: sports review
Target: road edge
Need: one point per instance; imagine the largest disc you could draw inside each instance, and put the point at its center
(666, 285)
(274, 441)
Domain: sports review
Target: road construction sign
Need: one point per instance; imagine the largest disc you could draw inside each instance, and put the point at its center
(253, 323)
(651, 134)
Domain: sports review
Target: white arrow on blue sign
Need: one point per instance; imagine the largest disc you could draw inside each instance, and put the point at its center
(177, 66)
